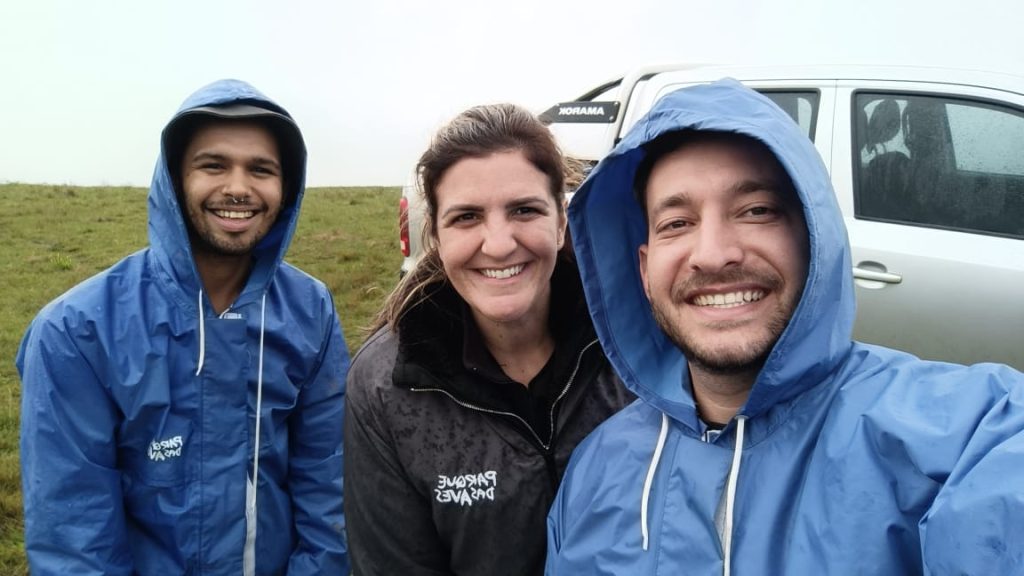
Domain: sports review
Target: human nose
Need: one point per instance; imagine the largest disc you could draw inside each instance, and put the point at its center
(236, 184)
(716, 247)
(499, 239)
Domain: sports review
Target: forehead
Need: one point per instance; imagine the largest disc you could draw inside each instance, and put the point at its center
(496, 177)
(240, 136)
(718, 164)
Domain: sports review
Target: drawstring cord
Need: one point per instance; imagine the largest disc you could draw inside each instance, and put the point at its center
(730, 498)
(202, 334)
(649, 481)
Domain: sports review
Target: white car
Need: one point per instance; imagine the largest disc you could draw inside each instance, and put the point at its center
(928, 170)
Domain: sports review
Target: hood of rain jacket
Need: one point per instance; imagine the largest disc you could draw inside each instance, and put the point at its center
(139, 407)
(168, 234)
(845, 459)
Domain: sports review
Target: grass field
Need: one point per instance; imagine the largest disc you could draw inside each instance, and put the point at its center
(56, 236)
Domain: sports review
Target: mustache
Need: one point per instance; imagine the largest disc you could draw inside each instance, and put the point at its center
(700, 280)
(233, 205)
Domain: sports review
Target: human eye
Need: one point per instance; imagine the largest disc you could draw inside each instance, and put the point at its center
(528, 207)
(526, 211)
(208, 163)
(462, 218)
(671, 226)
(264, 169)
(760, 212)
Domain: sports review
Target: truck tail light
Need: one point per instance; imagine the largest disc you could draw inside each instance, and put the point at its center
(403, 225)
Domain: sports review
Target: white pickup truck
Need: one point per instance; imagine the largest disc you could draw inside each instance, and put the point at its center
(928, 168)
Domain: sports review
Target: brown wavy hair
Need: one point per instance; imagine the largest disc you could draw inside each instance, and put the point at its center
(475, 133)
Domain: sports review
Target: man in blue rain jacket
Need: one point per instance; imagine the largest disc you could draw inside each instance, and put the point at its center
(182, 411)
(765, 440)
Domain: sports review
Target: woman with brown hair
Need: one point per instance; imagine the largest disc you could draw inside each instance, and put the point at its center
(483, 372)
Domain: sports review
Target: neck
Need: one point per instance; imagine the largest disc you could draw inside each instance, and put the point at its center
(720, 396)
(521, 349)
(223, 277)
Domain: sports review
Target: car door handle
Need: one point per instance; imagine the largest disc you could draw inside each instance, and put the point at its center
(887, 277)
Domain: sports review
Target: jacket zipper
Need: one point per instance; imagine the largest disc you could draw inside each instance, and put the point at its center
(546, 446)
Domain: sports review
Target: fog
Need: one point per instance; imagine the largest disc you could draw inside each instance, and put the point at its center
(87, 86)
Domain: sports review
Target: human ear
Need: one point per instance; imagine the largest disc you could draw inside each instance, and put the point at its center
(642, 253)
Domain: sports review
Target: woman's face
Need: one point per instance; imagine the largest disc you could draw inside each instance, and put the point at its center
(498, 234)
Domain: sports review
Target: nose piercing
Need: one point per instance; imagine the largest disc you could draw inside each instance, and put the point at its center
(235, 200)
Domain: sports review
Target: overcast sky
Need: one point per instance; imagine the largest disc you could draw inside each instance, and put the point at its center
(88, 85)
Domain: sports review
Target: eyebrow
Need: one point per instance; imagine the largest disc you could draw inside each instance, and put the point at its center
(207, 156)
(526, 201)
(260, 160)
(748, 186)
(264, 161)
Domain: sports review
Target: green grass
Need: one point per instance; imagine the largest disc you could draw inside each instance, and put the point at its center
(56, 236)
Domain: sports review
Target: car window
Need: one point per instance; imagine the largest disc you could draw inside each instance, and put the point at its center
(986, 139)
(938, 161)
(802, 107)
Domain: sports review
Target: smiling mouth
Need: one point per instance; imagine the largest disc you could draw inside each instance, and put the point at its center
(728, 299)
(235, 215)
(502, 273)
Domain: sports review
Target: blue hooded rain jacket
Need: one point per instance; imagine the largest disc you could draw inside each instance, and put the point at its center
(851, 458)
(139, 409)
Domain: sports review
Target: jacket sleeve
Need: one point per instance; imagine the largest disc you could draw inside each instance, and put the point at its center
(74, 515)
(975, 525)
(316, 460)
(390, 525)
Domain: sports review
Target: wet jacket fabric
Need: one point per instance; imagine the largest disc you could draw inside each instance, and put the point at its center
(139, 410)
(443, 474)
(854, 459)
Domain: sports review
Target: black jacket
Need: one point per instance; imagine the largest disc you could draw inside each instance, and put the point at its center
(450, 467)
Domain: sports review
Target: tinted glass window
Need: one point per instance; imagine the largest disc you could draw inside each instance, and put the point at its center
(939, 162)
(986, 139)
(802, 107)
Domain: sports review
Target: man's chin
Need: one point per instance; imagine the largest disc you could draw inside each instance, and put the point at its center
(741, 351)
(724, 364)
(216, 247)
(723, 358)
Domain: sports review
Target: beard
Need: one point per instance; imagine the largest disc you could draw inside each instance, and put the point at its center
(204, 239)
(740, 356)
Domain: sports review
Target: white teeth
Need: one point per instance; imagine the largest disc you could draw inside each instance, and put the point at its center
(501, 273)
(232, 215)
(728, 300)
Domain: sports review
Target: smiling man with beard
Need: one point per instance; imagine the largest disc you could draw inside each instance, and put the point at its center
(717, 270)
(182, 411)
